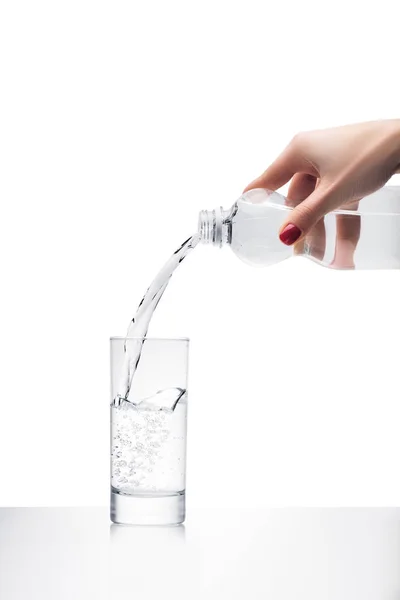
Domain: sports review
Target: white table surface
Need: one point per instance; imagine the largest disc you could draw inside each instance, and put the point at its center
(281, 554)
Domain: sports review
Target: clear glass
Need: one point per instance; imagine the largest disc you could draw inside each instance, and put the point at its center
(362, 235)
(148, 432)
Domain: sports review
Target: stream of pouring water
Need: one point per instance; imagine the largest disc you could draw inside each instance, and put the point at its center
(139, 325)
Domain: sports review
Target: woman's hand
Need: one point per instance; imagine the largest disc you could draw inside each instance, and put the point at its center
(332, 167)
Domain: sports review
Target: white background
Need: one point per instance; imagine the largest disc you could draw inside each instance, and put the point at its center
(119, 121)
(232, 553)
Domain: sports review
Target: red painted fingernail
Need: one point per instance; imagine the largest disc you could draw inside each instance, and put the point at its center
(290, 234)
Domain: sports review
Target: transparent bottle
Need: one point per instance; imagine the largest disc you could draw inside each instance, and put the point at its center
(362, 235)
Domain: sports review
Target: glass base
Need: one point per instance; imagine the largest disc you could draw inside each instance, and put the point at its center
(147, 509)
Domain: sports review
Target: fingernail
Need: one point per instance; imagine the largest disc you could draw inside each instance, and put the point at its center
(290, 234)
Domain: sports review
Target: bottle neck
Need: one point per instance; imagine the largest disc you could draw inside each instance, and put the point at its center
(215, 227)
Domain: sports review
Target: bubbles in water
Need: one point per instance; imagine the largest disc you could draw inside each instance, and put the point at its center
(151, 439)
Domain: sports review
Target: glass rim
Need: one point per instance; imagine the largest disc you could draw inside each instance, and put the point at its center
(148, 339)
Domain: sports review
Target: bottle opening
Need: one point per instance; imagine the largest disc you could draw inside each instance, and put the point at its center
(212, 226)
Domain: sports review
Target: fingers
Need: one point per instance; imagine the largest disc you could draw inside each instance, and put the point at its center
(288, 163)
(307, 214)
(316, 241)
(348, 229)
(302, 186)
(310, 202)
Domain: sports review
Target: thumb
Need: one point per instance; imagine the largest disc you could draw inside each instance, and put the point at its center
(307, 214)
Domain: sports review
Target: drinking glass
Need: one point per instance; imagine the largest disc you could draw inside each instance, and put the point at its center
(148, 431)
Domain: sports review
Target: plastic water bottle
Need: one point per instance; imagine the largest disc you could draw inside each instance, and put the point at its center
(365, 235)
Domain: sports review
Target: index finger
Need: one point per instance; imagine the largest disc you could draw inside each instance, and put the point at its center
(289, 162)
